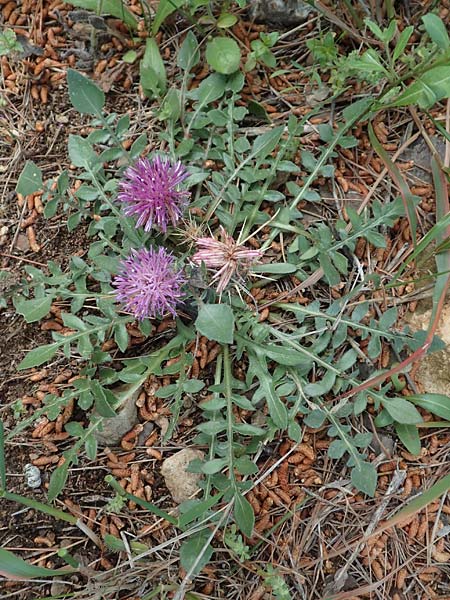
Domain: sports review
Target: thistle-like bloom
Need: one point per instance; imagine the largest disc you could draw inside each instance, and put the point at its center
(151, 192)
(226, 257)
(148, 283)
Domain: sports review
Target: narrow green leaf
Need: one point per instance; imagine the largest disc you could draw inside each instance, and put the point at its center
(266, 143)
(84, 95)
(30, 180)
(58, 480)
(152, 70)
(214, 466)
(104, 400)
(438, 404)
(409, 436)
(14, 567)
(407, 197)
(277, 410)
(165, 8)
(199, 509)
(402, 42)
(243, 513)
(436, 29)
(188, 54)
(429, 88)
(121, 336)
(38, 356)
(435, 491)
(275, 268)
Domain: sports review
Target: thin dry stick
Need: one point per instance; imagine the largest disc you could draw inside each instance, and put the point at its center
(397, 480)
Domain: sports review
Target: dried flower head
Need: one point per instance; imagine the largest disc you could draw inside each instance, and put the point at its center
(226, 257)
(151, 192)
(148, 283)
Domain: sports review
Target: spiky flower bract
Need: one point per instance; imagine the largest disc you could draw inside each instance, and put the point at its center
(150, 191)
(148, 283)
(227, 257)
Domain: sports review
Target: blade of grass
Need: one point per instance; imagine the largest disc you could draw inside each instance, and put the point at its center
(15, 568)
(407, 197)
(39, 506)
(148, 505)
(2, 458)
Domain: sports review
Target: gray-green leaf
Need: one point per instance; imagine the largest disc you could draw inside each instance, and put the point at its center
(216, 322)
(223, 55)
(84, 95)
(30, 180)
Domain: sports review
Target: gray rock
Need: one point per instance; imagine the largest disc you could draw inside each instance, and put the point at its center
(114, 428)
(432, 374)
(419, 152)
(180, 483)
(284, 12)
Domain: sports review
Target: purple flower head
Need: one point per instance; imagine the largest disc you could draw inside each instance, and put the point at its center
(150, 191)
(148, 284)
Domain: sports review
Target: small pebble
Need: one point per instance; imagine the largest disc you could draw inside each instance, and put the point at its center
(32, 476)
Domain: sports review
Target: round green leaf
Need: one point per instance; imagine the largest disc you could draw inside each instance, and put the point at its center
(226, 20)
(223, 55)
(216, 322)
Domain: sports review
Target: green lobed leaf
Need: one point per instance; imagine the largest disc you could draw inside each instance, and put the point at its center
(33, 310)
(81, 152)
(223, 55)
(216, 322)
(30, 179)
(85, 96)
(364, 478)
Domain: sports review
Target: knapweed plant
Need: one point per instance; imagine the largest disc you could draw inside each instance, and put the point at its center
(190, 234)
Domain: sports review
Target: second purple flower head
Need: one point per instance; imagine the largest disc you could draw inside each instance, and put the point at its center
(151, 192)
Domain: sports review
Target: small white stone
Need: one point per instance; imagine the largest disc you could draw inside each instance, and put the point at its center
(32, 476)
